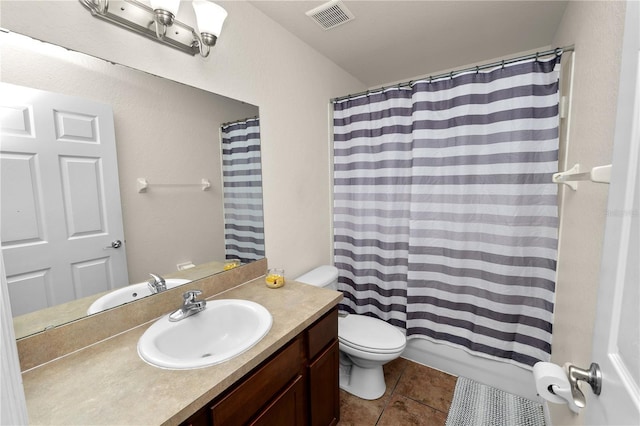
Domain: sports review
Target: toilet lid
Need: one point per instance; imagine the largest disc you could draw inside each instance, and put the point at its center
(370, 334)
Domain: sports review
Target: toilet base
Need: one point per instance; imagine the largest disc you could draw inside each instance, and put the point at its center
(365, 383)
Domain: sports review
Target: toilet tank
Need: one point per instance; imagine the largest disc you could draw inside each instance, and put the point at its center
(322, 276)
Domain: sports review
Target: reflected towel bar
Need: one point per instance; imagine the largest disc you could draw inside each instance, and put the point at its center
(600, 174)
(142, 184)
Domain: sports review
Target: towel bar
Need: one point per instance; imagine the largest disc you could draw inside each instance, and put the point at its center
(600, 174)
(143, 184)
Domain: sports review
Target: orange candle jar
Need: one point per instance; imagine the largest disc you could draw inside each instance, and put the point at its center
(230, 264)
(275, 278)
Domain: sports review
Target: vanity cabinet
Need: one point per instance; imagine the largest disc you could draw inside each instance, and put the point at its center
(298, 385)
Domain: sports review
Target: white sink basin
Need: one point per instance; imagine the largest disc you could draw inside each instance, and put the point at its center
(128, 294)
(223, 330)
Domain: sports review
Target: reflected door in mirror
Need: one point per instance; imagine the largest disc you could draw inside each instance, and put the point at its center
(60, 199)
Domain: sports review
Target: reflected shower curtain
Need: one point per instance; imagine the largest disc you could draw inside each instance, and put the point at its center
(242, 181)
(445, 214)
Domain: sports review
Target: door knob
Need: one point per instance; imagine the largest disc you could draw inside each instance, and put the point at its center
(114, 245)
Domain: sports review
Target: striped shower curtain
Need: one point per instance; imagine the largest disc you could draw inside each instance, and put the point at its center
(242, 181)
(373, 152)
(445, 217)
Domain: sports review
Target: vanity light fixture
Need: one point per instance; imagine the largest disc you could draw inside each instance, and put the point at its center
(164, 12)
(159, 22)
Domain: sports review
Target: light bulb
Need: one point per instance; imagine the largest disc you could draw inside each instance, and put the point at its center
(170, 6)
(209, 17)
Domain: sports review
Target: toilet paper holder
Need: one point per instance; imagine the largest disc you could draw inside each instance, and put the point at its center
(592, 376)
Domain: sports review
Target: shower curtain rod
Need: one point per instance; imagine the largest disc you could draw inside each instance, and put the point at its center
(255, 117)
(450, 74)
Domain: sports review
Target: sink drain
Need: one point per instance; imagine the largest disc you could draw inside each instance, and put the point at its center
(206, 355)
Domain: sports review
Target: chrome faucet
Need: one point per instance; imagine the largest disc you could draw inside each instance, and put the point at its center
(156, 284)
(190, 306)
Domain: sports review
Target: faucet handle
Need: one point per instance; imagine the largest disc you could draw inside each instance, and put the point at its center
(156, 284)
(156, 278)
(190, 296)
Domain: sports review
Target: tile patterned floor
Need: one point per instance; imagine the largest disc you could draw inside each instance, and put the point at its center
(416, 395)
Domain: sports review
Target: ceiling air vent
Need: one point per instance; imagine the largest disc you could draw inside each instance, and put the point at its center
(331, 14)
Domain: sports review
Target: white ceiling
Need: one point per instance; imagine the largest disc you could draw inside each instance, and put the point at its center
(392, 41)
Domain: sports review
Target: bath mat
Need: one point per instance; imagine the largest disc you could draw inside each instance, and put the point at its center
(475, 404)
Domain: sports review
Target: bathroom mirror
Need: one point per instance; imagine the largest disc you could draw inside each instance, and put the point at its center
(169, 166)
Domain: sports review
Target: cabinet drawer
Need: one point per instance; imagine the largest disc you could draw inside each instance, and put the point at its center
(322, 333)
(249, 397)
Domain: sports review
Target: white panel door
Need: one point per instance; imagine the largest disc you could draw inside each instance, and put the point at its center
(616, 344)
(60, 199)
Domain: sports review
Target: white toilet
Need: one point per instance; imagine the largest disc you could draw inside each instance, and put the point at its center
(366, 343)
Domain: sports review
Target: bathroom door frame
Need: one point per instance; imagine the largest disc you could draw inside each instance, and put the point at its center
(616, 316)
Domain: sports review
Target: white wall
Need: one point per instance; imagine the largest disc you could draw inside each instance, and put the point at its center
(596, 29)
(256, 61)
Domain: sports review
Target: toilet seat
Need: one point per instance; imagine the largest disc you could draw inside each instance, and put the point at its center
(369, 334)
(372, 351)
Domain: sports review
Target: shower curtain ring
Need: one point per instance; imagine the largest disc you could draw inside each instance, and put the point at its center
(451, 75)
(477, 69)
(503, 64)
(537, 56)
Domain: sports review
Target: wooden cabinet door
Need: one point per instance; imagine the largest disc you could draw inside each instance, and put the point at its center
(287, 409)
(324, 388)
